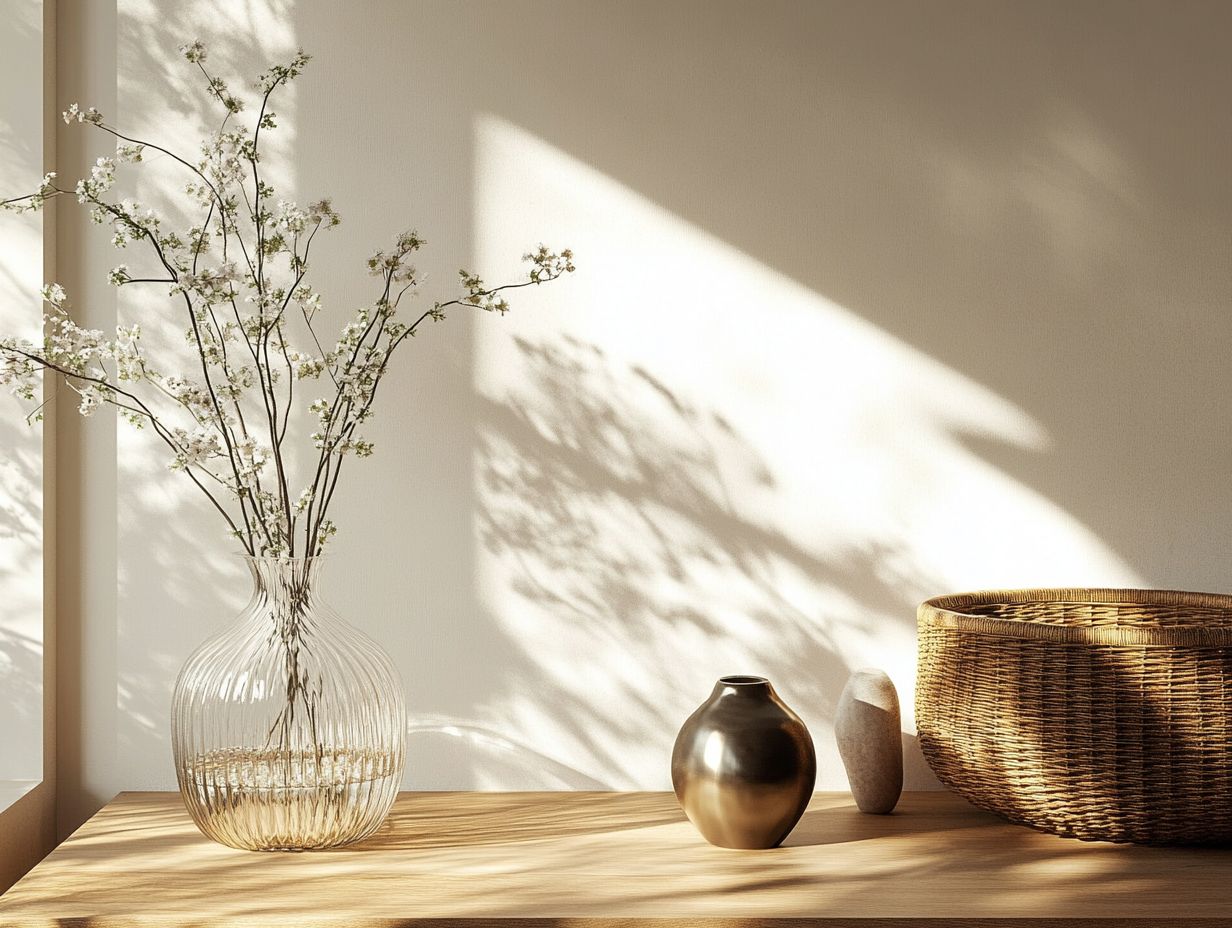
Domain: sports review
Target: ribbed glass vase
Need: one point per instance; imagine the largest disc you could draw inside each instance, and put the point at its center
(288, 727)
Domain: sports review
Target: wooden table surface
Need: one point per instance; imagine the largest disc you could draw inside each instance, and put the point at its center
(595, 859)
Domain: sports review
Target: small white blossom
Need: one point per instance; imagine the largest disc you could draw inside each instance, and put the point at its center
(327, 531)
(102, 179)
(304, 500)
(71, 347)
(76, 114)
(241, 308)
(194, 52)
(91, 398)
(321, 408)
(305, 366)
(291, 218)
(213, 284)
(323, 212)
(35, 201)
(307, 299)
(190, 395)
(252, 457)
(18, 372)
(53, 294)
(195, 447)
(126, 351)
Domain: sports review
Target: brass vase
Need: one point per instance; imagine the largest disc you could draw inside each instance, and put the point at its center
(744, 766)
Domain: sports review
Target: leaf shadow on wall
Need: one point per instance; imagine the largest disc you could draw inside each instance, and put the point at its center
(1012, 190)
(21, 674)
(21, 463)
(21, 585)
(926, 201)
(1012, 217)
(179, 576)
(605, 504)
(21, 581)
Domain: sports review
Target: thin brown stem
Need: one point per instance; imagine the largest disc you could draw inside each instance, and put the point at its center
(138, 407)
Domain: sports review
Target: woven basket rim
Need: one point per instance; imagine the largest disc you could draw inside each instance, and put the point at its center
(949, 611)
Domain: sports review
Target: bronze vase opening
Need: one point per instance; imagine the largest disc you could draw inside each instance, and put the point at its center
(744, 766)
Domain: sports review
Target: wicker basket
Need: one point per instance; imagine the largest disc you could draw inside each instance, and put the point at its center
(1096, 714)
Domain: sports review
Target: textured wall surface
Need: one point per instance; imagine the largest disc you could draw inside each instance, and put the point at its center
(21, 467)
(27, 458)
(874, 301)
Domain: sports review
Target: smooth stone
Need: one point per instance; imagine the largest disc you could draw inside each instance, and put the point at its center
(868, 729)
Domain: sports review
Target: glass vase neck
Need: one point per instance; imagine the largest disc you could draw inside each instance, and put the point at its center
(287, 584)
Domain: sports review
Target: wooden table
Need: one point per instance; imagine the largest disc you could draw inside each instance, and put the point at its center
(448, 859)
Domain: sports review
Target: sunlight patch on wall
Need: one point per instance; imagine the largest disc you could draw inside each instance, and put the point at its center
(21, 465)
(179, 578)
(688, 465)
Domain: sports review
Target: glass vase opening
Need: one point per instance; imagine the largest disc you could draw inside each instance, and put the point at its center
(288, 727)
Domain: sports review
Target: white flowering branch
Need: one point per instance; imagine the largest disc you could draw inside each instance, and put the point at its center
(237, 404)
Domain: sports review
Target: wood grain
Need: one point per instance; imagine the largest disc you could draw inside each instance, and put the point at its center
(615, 859)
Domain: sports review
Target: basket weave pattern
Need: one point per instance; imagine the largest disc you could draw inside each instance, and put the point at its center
(1096, 714)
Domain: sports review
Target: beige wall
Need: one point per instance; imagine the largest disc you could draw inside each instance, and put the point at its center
(875, 301)
(27, 472)
(86, 465)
